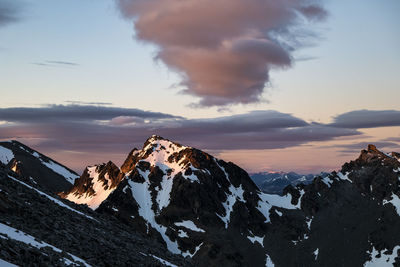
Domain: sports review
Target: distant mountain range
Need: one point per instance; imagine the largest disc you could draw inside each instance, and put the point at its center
(172, 205)
(275, 182)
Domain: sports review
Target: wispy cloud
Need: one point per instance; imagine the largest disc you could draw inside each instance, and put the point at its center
(367, 119)
(52, 63)
(356, 147)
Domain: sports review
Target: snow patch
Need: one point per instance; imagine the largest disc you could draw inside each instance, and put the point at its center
(182, 234)
(379, 259)
(236, 193)
(4, 263)
(327, 181)
(190, 225)
(268, 201)
(6, 155)
(316, 254)
(167, 263)
(12, 233)
(185, 254)
(309, 221)
(258, 239)
(99, 188)
(344, 176)
(268, 262)
(69, 176)
(141, 193)
(395, 202)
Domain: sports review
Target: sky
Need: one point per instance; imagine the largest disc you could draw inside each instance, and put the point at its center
(270, 85)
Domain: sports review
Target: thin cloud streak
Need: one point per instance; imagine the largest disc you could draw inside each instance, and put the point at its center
(367, 119)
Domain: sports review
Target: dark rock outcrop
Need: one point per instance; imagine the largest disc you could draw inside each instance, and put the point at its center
(37, 167)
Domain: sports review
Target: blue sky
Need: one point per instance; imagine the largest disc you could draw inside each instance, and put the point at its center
(353, 64)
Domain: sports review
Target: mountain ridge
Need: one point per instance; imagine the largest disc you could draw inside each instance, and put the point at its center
(209, 210)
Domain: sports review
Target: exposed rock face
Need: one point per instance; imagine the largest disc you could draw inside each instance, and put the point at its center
(210, 210)
(275, 182)
(192, 202)
(37, 229)
(35, 166)
(95, 185)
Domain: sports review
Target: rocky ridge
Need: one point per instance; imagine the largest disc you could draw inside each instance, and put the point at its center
(38, 229)
(212, 213)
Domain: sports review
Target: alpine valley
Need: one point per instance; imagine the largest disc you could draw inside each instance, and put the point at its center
(173, 205)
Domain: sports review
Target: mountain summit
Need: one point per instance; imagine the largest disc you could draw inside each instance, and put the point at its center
(210, 211)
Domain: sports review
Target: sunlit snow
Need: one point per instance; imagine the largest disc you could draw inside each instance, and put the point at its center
(100, 191)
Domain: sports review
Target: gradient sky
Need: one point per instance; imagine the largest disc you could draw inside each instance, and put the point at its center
(55, 52)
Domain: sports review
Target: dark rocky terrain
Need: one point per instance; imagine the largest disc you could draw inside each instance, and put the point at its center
(212, 213)
(38, 229)
(39, 168)
(275, 182)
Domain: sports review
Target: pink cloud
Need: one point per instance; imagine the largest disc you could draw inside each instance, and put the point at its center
(223, 49)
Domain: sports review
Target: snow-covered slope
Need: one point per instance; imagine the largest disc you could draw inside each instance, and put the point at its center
(95, 185)
(36, 166)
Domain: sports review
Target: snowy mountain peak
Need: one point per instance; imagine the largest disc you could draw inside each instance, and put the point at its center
(95, 185)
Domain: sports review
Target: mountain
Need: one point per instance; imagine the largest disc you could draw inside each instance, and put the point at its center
(33, 165)
(95, 185)
(197, 205)
(39, 229)
(169, 202)
(210, 210)
(275, 182)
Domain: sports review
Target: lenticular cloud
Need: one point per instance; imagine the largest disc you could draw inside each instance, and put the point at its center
(223, 49)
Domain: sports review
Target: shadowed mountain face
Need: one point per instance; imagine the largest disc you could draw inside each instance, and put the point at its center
(210, 210)
(39, 168)
(38, 229)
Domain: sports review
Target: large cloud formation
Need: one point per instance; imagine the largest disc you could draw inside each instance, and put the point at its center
(102, 129)
(94, 133)
(223, 49)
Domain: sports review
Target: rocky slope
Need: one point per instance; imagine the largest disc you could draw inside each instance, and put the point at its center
(275, 182)
(212, 213)
(39, 168)
(38, 229)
